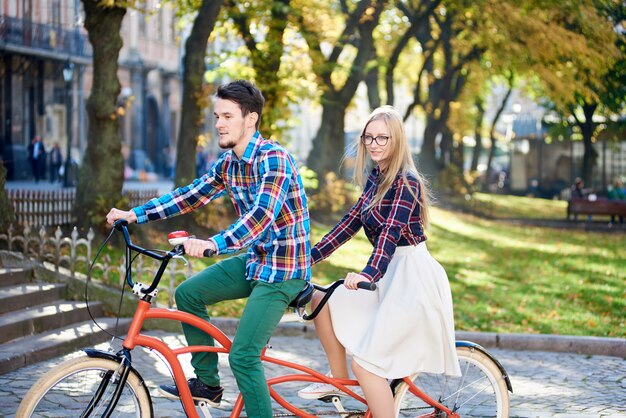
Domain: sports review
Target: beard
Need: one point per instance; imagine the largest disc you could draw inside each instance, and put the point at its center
(226, 143)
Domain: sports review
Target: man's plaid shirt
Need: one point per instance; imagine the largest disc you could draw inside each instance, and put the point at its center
(268, 194)
(394, 221)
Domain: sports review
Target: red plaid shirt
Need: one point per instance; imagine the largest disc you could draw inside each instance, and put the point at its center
(394, 221)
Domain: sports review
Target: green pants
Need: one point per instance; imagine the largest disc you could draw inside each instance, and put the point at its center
(266, 305)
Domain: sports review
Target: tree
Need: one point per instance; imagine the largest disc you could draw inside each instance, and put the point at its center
(195, 93)
(492, 129)
(337, 80)
(101, 176)
(599, 96)
(270, 19)
(7, 215)
(495, 37)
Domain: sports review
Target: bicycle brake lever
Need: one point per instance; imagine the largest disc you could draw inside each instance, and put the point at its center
(182, 257)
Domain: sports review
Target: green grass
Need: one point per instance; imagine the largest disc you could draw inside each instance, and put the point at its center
(519, 207)
(498, 206)
(508, 278)
(513, 279)
(535, 280)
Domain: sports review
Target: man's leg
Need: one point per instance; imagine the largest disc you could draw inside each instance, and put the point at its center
(265, 307)
(222, 281)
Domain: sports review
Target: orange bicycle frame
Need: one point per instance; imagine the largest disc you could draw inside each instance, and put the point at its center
(135, 338)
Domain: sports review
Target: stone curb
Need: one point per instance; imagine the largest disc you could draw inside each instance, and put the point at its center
(597, 346)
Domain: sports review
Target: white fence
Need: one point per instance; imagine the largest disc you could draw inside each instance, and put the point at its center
(76, 253)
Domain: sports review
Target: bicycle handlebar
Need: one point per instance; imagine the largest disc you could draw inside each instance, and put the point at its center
(366, 285)
(328, 290)
(122, 225)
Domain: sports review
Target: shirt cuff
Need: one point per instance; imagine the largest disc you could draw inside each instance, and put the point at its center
(316, 256)
(220, 243)
(370, 273)
(140, 213)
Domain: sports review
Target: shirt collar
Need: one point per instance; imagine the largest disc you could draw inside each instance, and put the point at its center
(252, 148)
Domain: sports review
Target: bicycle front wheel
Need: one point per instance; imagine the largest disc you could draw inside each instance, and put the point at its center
(480, 391)
(70, 388)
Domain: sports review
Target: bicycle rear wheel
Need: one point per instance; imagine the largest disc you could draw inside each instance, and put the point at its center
(68, 389)
(480, 391)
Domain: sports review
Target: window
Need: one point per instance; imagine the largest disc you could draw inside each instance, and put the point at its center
(27, 6)
(55, 12)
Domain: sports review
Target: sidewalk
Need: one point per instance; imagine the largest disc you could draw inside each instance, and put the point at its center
(545, 384)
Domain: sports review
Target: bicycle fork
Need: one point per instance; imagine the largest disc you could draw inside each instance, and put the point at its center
(119, 376)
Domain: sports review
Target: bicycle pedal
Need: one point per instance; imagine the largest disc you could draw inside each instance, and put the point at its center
(204, 407)
(330, 399)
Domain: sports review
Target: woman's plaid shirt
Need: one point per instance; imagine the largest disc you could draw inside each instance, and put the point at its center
(394, 222)
(268, 194)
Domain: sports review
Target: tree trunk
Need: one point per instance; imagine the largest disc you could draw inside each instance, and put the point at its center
(266, 60)
(193, 76)
(101, 176)
(373, 92)
(492, 131)
(427, 158)
(7, 215)
(478, 134)
(329, 143)
(445, 145)
(587, 129)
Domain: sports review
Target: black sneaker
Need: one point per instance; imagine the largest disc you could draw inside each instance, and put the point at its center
(199, 392)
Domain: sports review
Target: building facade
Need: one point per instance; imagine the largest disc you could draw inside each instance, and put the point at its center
(41, 38)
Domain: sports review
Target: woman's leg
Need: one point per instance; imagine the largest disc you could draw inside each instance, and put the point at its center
(377, 392)
(335, 352)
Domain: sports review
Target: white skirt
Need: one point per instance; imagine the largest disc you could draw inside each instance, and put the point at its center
(406, 325)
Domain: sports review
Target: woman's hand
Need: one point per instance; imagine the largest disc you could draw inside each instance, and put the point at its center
(115, 214)
(195, 247)
(352, 279)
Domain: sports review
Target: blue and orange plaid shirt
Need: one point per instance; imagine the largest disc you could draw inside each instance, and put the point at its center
(267, 191)
(394, 221)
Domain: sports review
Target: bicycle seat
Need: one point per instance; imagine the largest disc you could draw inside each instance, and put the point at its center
(303, 297)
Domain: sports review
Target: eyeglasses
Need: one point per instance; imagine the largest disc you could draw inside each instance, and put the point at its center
(380, 139)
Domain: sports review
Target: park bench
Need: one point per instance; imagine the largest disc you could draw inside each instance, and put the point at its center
(600, 206)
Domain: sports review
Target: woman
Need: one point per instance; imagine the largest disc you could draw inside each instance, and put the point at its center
(406, 326)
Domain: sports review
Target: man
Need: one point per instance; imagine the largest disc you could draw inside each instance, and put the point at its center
(263, 182)
(37, 158)
(56, 159)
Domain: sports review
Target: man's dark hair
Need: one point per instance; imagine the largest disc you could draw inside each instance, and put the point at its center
(246, 95)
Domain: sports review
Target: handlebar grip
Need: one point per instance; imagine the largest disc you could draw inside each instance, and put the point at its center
(120, 223)
(208, 253)
(366, 285)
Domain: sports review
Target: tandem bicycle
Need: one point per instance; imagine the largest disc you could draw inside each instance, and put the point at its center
(107, 384)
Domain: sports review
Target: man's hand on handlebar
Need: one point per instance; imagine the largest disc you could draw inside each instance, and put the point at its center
(352, 279)
(197, 247)
(115, 214)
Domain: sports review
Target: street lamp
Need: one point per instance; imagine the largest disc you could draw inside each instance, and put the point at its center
(68, 74)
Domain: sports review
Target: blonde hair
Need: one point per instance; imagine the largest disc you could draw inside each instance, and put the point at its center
(400, 161)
